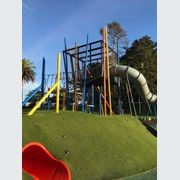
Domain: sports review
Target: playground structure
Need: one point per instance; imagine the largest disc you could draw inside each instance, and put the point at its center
(92, 81)
(93, 78)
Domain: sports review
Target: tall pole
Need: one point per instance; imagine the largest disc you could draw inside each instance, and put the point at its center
(75, 80)
(129, 101)
(119, 95)
(118, 61)
(42, 81)
(108, 73)
(43, 75)
(66, 72)
(119, 81)
(58, 81)
(85, 76)
(104, 73)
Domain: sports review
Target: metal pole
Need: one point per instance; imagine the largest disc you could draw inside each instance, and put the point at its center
(58, 81)
(132, 99)
(75, 80)
(104, 73)
(108, 73)
(118, 61)
(129, 101)
(119, 80)
(85, 75)
(42, 81)
(66, 71)
(119, 95)
(43, 75)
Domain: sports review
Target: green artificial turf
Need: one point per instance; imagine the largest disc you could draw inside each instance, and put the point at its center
(94, 147)
(148, 175)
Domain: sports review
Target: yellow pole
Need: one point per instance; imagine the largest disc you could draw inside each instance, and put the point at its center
(108, 73)
(42, 99)
(58, 81)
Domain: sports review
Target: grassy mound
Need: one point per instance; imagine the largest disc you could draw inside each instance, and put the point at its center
(93, 146)
(147, 175)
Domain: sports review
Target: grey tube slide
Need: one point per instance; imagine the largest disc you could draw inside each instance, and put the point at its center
(138, 79)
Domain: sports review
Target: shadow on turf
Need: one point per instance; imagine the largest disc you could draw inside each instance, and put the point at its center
(150, 129)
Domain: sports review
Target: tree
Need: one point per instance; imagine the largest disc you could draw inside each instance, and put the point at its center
(28, 73)
(142, 55)
(117, 37)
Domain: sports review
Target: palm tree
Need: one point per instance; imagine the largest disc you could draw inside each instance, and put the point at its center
(28, 74)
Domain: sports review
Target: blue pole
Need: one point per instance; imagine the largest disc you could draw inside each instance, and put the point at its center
(117, 53)
(85, 75)
(43, 75)
(119, 81)
(33, 93)
(119, 95)
(66, 72)
(43, 78)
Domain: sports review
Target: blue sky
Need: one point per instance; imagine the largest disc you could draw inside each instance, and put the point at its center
(46, 22)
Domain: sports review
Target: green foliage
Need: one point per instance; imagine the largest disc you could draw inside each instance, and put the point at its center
(142, 55)
(99, 147)
(28, 73)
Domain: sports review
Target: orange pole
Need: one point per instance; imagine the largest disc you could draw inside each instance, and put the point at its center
(104, 72)
(107, 68)
(107, 104)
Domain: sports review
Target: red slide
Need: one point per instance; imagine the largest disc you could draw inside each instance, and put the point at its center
(41, 165)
